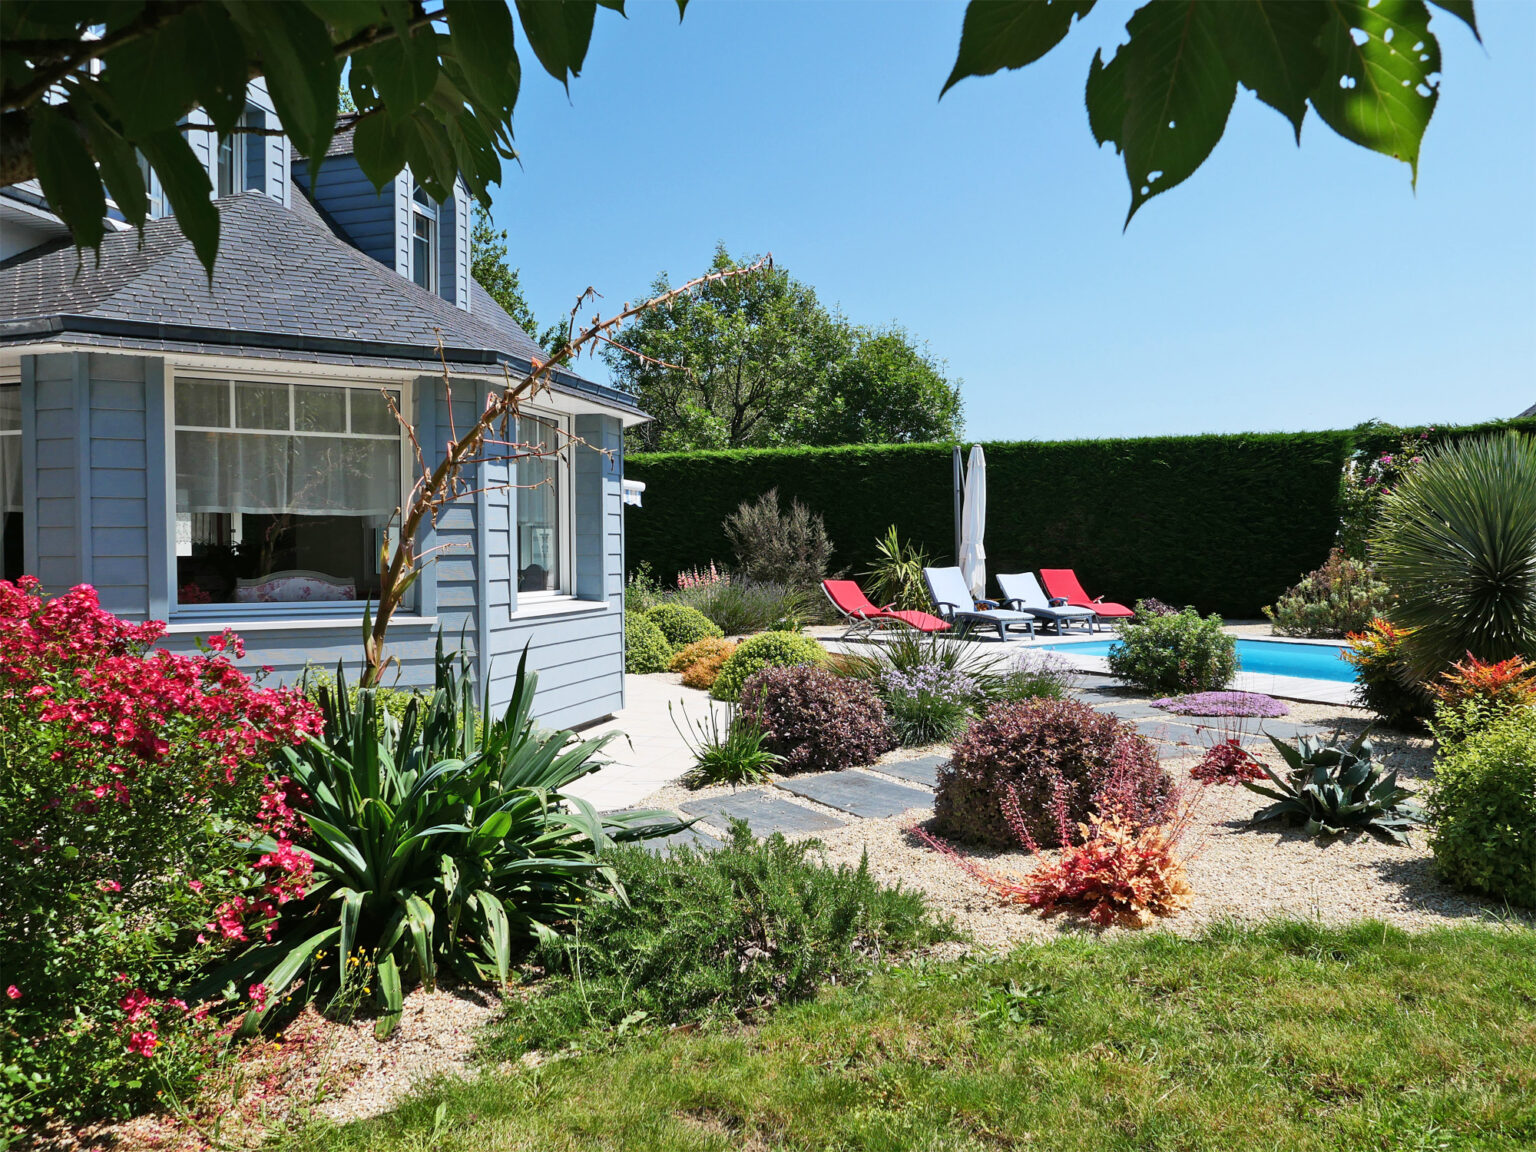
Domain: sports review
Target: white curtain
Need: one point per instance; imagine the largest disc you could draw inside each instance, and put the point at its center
(281, 473)
(10, 449)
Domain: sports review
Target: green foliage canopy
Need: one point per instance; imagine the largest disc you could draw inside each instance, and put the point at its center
(766, 364)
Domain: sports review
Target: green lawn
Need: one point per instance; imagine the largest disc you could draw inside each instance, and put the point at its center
(1292, 1037)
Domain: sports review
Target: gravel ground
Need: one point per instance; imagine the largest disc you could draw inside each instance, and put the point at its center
(1237, 871)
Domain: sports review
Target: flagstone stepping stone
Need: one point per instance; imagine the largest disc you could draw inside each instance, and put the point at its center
(1290, 730)
(765, 814)
(1164, 730)
(858, 793)
(691, 837)
(923, 770)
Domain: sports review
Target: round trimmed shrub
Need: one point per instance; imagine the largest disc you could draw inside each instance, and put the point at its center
(815, 718)
(645, 648)
(757, 652)
(1174, 654)
(1063, 761)
(701, 661)
(1482, 802)
(682, 625)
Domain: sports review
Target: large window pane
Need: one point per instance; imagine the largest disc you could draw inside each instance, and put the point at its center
(288, 506)
(371, 414)
(202, 403)
(538, 508)
(10, 482)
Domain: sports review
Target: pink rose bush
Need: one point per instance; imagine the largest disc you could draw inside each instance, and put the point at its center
(132, 782)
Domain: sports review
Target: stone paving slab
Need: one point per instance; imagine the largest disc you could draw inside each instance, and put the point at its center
(923, 770)
(858, 793)
(1157, 729)
(690, 837)
(765, 814)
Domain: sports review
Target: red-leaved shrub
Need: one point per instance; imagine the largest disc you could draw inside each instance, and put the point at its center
(1227, 762)
(131, 779)
(1063, 762)
(815, 718)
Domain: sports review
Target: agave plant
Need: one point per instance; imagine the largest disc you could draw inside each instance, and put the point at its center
(1457, 543)
(443, 838)
(1334, 788)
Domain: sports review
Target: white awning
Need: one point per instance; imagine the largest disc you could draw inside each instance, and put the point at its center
(632, 490)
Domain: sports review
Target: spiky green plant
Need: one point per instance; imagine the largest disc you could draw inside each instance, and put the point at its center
(896, 576)
(1334, 788)
(443, 838)
(1457, 542)
(727, 747)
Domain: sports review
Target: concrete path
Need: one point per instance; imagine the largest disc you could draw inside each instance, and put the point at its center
(649, 752)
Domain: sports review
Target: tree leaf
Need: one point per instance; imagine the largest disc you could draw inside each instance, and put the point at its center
(68, 176)
(1376, 88)
(1271, 47)
(481, 38)
(215, 63)
(299, 63)
(558, 31)
(1178, 91)
(148, 78)
(1105, 98)
(1000, 34)
(118, 161)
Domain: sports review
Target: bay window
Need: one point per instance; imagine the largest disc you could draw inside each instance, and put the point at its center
(540, 488)
(285, 492)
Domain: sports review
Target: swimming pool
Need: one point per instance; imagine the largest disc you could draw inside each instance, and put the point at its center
(1314, 661)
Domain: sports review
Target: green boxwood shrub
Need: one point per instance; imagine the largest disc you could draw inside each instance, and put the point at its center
(645, 647)
(1170, 655)
(760, 651)
(1482, 802)
(682, 625)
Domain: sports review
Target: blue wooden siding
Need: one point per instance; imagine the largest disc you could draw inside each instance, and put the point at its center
(97, 512)
(366, 216)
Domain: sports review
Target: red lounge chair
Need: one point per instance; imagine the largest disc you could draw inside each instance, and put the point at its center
(1062, 583)
(864, 617)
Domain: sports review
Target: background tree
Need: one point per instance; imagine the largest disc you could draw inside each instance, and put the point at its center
(766, 364)
(436, 87)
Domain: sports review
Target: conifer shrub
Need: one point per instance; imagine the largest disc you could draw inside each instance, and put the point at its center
(682, 624)
(816, 719)
(1061, 760)
(645, 648)
(1342, 596)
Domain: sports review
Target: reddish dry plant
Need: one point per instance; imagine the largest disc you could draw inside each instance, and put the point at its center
(1508, 683)
(1227, 762)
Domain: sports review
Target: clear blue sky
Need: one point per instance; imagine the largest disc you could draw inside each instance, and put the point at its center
(1278, 288)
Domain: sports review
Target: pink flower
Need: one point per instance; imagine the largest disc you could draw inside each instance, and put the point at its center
(137, 1004)
(109, 886)
(13, 992)
(143, 1043)
(195, 885)
(258, 993)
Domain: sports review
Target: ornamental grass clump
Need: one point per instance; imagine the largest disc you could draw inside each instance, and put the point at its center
(815, 719)
(726, 749)
(927, 704)
(1064, 762)
(131, 782)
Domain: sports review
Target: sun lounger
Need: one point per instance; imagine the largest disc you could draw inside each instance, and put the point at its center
(1062, 583)
(865, 618)
(1022, 592)
(956, 604)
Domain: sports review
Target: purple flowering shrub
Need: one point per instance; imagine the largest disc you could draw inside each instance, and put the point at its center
(1151, 607)
(1062, 761)
(815, 718)
(1223, 704)
(928, 703)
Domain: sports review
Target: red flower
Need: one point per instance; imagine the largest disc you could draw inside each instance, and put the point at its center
(143, 1043)
(137, 1004)
(13, 992)
(258, 993)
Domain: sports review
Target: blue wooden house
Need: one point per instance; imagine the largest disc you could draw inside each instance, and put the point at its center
(224, 454)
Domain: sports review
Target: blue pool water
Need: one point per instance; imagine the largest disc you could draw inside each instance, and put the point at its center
(1314, 661)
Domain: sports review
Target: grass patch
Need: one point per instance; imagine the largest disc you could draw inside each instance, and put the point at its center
(1286, 1037)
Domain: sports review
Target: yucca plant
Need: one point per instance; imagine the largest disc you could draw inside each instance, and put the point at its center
(443, 838)
(1334, 788)
(896, 576)
(1456, 542)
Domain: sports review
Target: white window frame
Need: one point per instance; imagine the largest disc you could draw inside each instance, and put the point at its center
(565, 504)
(230, 610)
(15, 386)
(422, 208)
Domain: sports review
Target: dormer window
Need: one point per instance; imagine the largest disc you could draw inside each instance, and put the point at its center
(423, 240)
(239, 169)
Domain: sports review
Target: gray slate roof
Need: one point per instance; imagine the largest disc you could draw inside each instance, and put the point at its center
(1531, 411)
(285, 286)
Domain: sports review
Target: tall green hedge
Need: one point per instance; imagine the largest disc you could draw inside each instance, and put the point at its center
(1223, 522)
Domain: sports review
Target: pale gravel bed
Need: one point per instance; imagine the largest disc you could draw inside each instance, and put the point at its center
(1237, 871)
